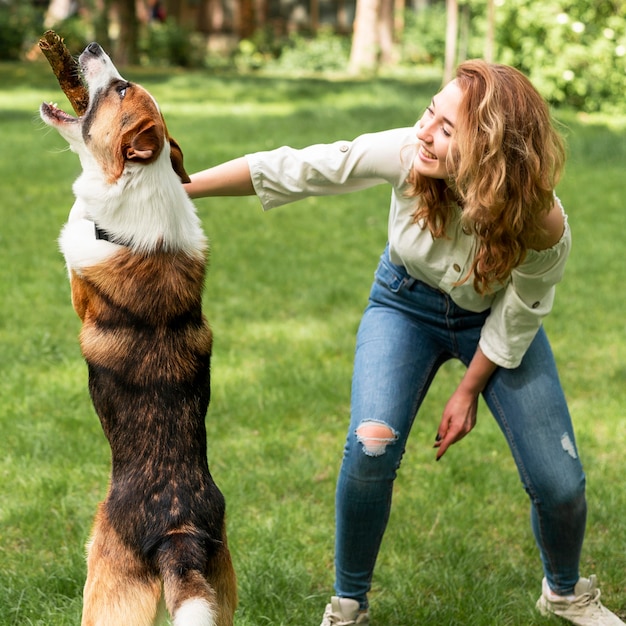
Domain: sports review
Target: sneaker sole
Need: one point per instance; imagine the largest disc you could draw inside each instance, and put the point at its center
(542, 607)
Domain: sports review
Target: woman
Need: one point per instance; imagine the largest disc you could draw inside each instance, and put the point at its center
(477, 242)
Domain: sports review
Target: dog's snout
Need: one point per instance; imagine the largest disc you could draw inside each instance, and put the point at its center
(97, 68)
(94, 48)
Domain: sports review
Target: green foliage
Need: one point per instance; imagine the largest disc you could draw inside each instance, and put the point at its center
(284, 294)
(19, 22)
(167, 43)
(76, 33)
(249, 55)
(575, 52)
(160, 43)
(424, 39)
(326, 52)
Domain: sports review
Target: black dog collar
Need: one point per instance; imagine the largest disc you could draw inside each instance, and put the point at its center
(101, 233)
(106, 236)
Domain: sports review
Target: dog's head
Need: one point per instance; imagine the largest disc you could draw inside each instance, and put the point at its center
(122, 123)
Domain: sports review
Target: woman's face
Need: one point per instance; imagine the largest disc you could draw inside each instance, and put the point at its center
(435, 132)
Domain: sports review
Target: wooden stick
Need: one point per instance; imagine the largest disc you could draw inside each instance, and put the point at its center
(66, 69)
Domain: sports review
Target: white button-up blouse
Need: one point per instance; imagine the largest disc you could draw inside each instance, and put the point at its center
(517, 307)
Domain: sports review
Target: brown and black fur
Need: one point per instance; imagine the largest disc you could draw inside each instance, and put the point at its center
(160, 532)
(148, 350)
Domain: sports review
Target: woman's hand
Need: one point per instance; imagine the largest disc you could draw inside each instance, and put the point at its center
(459, 415)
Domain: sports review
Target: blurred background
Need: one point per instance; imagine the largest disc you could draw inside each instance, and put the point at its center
(573, 50)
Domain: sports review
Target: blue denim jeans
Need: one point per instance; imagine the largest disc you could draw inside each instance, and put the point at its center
(407, 332)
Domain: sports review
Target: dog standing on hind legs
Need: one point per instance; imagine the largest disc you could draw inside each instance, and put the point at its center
(136, 255)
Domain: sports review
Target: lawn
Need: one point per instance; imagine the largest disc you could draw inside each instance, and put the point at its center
(284, 295)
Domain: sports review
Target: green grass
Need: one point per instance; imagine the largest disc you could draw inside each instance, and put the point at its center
(284, 296)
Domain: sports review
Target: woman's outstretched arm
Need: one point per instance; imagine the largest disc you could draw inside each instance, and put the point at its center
(227, 179)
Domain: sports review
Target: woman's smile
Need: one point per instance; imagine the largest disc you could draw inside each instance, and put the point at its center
(426, 153)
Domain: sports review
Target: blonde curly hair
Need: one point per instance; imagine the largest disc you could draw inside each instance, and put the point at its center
(504, 164)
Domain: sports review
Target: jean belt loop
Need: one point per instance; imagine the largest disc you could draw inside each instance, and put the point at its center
(409, 283)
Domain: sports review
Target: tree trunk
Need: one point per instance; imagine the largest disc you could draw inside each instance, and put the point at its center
(315, 16)
(174, 9)
(365, 42)
(126, 52)
(491, 31)
(385, 31)
(343, 26)
(465, 20)
(398, 20)
(102, 9)
(246, 22)
(452, 28)
(208, 14)
(58, 10)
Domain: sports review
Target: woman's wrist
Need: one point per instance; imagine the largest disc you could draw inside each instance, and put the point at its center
(471, 387)
(477, 375)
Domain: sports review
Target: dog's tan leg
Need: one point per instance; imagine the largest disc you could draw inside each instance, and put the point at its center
(221, 576)
(194, 597)
(119, 590)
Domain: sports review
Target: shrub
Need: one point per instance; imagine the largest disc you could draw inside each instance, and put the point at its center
(167, 43)
(76, 33)
(325, 52)
(575, 52)
(18, 24)
(424, 38)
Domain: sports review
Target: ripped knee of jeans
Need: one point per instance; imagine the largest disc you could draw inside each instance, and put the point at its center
(375, 437)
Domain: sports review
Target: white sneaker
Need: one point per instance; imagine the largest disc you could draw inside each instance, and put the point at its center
(583, 609)
(344, 612)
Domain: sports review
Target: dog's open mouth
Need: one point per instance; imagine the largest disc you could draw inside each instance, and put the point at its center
(52, 111)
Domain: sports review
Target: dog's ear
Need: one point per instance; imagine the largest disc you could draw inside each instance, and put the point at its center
(145, 145)
(176, 157)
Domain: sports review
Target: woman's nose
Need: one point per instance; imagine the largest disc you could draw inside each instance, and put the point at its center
(423, 132)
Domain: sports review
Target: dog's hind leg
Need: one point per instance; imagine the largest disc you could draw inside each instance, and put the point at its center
(221, 576)
(119, 591)
(197, 593)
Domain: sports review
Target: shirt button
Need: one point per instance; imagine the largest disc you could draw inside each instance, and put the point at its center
(456, 267)
(536, 304)
(344, 147)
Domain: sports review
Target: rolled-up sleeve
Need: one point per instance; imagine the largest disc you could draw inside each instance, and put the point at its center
(287, 174)
(517, 310)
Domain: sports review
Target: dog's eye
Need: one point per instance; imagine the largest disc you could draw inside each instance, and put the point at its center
(121, 90)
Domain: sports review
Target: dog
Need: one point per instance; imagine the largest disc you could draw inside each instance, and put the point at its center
(136, 256)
